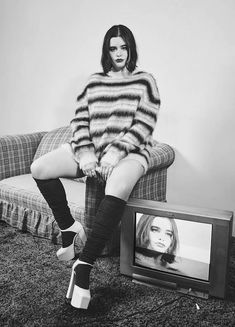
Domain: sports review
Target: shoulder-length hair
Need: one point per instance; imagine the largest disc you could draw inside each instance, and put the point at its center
(127, 36)
(143, 229)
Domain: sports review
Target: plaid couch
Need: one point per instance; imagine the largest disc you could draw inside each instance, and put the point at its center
(23, 207)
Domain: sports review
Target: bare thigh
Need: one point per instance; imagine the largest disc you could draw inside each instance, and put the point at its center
(123, 179)
(55, 164)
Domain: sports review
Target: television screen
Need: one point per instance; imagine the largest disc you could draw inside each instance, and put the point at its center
(172, 245)
(179, 247)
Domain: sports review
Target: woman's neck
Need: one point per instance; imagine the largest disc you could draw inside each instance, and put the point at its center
(119, 74)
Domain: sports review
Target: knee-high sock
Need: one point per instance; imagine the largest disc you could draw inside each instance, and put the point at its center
(54, 194)
(108, 216)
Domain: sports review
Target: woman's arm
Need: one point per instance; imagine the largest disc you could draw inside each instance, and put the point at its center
(81, 143)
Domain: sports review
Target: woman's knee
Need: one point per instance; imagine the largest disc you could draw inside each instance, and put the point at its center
(38, 170)
(118, 188)
(123, 179)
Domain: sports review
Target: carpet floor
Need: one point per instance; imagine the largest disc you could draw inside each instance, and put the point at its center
(33, 284)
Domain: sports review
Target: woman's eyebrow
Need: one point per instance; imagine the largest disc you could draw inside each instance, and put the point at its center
(155, 226)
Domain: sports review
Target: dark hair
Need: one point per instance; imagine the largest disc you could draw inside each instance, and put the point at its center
(128, 37)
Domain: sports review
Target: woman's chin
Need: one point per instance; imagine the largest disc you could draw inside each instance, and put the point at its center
(159, 249)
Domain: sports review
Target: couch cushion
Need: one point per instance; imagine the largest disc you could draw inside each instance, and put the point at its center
(22, 205)
(52, 140)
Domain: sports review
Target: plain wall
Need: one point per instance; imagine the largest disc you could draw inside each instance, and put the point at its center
(48, 49)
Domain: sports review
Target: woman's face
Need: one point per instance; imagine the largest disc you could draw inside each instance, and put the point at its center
(118, 52)
(160, 235)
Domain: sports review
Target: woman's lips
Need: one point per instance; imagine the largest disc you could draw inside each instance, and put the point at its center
(119, 60)
(160, 245)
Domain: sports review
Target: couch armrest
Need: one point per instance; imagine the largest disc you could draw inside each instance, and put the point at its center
(17, 152)
(152, 186)
(162, 156)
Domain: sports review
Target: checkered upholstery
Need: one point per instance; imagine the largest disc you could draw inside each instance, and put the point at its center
(17, 152)
(53, 140)
(28, 211)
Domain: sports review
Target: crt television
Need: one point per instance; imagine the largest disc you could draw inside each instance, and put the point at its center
(180, 247)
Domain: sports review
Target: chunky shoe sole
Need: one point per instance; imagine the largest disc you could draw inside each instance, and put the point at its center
(80, 297)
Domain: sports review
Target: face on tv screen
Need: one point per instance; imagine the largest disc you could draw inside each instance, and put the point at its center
(173, 245)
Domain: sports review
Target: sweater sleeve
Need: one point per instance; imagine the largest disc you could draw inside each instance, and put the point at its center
(142, 127)
(81, 142)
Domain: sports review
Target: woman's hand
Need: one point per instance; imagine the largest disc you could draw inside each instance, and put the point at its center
(105, 170)
(90, 169)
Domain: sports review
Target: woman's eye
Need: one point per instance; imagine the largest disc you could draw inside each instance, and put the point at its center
(169, 234)
(111, 49)
(154, 229)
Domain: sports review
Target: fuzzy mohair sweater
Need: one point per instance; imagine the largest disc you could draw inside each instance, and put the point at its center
(115, 117)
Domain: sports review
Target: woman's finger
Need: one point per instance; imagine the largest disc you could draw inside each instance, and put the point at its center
(109, 171)
(106, 171)
(89, 172)
(93, 173)
(102, 172)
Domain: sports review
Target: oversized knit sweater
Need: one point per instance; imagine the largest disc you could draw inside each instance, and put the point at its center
(115, 117)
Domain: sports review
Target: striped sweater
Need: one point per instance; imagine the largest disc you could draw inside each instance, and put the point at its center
(115, 117)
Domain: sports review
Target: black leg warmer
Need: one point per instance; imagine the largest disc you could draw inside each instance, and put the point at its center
(54, 194)
(108, 216)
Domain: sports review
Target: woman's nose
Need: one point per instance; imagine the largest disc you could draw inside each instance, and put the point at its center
(161, 236)
(119, 52)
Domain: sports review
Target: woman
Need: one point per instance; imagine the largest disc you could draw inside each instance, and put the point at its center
(112, 139)
(157, 241)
